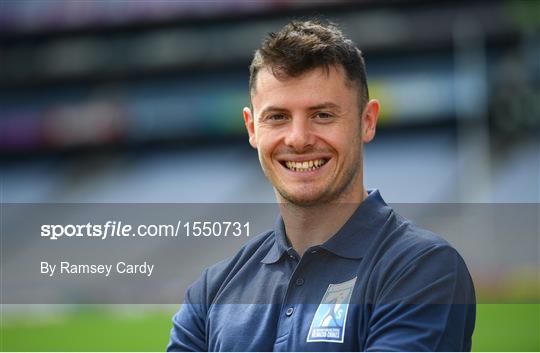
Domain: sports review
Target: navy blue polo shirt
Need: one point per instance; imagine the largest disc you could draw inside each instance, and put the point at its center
(380, 283)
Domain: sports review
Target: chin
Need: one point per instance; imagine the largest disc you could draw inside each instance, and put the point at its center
(304, 199)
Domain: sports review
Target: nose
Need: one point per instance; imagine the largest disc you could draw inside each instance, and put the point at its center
(299, 136)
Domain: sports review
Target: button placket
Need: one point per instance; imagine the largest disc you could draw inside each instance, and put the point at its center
(291, 297)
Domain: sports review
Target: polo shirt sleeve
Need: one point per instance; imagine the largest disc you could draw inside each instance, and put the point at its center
(426, 303)
(189, 323)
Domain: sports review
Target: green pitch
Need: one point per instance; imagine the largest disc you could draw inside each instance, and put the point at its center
(507, 327)
(500, 327)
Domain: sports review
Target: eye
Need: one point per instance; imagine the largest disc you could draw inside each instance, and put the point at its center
(276, 117)
(323, 116)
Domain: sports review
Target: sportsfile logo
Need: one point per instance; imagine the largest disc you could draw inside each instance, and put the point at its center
(328, 324)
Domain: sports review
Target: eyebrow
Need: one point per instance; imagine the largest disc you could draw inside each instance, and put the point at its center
(325, 105)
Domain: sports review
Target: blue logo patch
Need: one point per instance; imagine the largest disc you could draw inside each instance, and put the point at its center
(328, 324)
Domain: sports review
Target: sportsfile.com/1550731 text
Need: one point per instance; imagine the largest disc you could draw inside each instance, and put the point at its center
(115, 229)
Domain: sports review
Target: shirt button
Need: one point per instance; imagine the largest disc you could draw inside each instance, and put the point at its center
(299, 281)
(289, 311)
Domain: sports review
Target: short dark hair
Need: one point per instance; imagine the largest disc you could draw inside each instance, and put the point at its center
(301, 46)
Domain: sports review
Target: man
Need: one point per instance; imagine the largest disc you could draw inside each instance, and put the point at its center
(341, 271)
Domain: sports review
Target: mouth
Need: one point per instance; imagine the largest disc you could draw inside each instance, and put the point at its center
(304, 166)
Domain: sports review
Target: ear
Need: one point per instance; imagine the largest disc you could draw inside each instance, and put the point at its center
(250, 126)
(369, 120)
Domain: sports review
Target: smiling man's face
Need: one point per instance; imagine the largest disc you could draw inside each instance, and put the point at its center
(309, 136)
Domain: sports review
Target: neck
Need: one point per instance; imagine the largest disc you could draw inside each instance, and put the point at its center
(314, 225)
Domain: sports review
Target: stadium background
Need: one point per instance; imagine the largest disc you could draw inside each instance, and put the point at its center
(113, 101)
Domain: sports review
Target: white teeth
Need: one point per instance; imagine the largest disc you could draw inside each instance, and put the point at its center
(305, 166)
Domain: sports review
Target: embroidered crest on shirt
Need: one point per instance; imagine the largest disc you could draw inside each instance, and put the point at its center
(328, 324)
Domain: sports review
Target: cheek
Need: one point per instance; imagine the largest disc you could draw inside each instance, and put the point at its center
(267, 143)
(348, 148)
(265, 151)
(341, 139)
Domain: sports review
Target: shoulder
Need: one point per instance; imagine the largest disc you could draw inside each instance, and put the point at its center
(404, 241)
(412, 257)
(215, 276)
(254, 250)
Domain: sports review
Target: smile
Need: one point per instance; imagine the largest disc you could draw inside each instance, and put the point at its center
(305, 166)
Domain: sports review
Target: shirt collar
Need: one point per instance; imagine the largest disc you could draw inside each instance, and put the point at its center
(281, 244)
(354, 237)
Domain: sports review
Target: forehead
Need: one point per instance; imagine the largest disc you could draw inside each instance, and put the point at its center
(311, 88)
